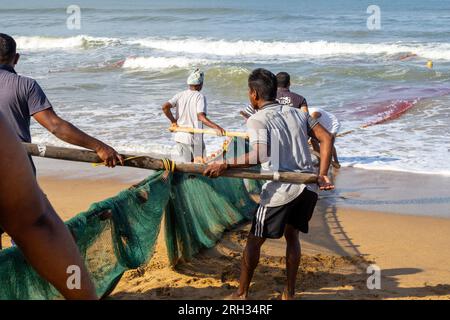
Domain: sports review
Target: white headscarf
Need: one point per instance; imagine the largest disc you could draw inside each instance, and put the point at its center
(195, 78)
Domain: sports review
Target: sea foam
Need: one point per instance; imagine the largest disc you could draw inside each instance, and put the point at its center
(242, 48)
(49, 43)
(303, 48)
(159, 63)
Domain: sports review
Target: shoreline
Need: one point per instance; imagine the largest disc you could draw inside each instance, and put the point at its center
(368, 190)
(391, 192)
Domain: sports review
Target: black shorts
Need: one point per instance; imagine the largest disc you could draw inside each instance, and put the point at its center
(269, 222)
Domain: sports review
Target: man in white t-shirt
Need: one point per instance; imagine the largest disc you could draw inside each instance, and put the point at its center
(190, 112)
(329, 122)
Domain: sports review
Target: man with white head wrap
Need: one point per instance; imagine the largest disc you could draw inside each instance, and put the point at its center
(190, 112)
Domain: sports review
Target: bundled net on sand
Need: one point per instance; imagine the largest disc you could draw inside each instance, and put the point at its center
(120, 233)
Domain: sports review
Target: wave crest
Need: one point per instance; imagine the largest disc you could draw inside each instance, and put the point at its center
(303, 48)
(160, 63)
(48, 43)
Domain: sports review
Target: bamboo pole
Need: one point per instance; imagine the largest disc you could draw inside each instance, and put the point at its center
(209, 131)
(146, 162)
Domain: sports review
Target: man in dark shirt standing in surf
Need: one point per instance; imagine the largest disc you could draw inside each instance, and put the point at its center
(22, 98)
(285, 96)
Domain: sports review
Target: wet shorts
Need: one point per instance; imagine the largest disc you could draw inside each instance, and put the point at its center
(269, 222)
(187, 152)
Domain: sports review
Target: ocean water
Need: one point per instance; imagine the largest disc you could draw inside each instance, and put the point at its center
(111, 76)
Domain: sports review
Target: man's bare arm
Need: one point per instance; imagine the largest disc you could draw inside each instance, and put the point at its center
(256, 156)
(204, 119)
(67, 132)
(316, 115)
(27, 216)
(166, 110)
(326, 146)
(244, 114)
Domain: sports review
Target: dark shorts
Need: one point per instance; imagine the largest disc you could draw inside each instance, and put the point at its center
(269, 222)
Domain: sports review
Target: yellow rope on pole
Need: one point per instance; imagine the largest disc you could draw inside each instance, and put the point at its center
(168, 164)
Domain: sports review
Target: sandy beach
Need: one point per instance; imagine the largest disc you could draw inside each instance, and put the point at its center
(411, 250)
(374, 75)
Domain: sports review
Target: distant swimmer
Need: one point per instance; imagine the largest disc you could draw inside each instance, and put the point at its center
(190, 112)
(329, 122)
(287, 97)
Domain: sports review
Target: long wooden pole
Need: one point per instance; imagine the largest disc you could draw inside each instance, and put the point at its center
(146, 162)
(209, 131)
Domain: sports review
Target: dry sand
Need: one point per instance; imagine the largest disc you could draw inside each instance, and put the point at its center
(412, 253)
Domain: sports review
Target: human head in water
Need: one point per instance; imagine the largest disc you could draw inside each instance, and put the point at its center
(8, 54)
(283, 80)
(195, 80)
(262, 87)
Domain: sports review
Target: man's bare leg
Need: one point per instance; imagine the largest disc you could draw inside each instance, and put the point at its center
(293, 254)
(336, 164)
(315, 145)
(249, 262)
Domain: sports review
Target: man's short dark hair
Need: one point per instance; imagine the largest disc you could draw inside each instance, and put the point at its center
(264, 83)
(283, 79)
(7, 48)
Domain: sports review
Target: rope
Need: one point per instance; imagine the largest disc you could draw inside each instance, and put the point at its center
(169, 165)
(225, 145)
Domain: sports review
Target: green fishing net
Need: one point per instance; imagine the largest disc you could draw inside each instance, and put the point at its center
(120, 233)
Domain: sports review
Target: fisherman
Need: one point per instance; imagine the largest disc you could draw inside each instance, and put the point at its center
(326, 119)
(284, 96)
(22, 98)
(191, 109)
(329, 122)
(279, 139)
(287, 97)
(248, 112)
(29, 218)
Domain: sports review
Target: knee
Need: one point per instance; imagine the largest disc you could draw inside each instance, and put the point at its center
(255, 243)
(291, 235)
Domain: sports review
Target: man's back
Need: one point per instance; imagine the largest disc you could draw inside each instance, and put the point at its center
(289, 98)
(285, 132)
(328, 120)
(188, 104)
(20, 98)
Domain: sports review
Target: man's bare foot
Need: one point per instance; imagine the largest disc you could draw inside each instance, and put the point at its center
(336, 165)
(286, 296)
(237, 296)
